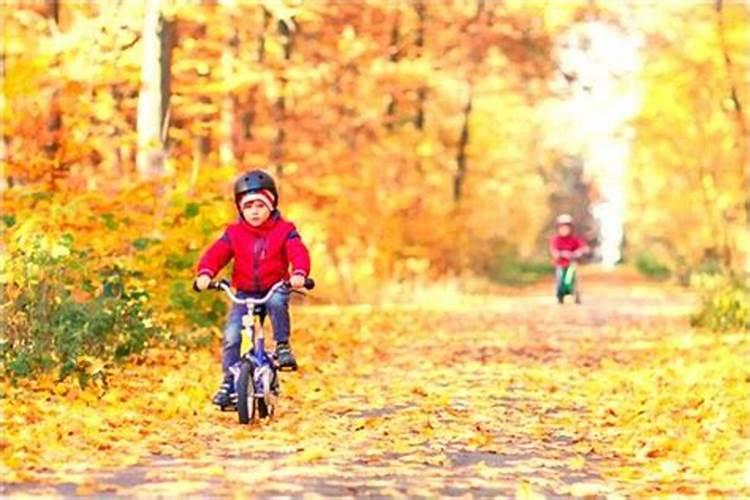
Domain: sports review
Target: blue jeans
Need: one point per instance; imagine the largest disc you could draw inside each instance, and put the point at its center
(278, 310)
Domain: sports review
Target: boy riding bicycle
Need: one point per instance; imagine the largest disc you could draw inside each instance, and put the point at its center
(263, 246)
(566, 247)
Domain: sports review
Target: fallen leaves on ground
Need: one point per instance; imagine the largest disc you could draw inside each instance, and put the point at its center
(505, 395)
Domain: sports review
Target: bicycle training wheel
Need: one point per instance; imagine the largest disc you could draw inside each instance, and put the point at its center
(267, 404)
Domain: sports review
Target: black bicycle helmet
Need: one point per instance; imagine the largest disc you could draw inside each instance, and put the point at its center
(255, 180)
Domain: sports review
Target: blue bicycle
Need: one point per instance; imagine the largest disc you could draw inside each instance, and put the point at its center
(256, 374)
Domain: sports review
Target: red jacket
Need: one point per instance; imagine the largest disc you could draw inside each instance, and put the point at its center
(569, 243)
(261, 254)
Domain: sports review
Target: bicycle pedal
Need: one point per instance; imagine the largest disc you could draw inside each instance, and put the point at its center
(230, 406)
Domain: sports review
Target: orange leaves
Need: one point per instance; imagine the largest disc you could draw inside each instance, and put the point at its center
(474, 395)
(369, 139)
(481, 438)
(311, 454)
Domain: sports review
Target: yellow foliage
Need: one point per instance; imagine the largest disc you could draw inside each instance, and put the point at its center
(432, 395)
(368, 130)
(690, 171)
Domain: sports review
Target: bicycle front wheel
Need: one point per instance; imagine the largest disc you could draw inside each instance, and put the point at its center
(246, 393)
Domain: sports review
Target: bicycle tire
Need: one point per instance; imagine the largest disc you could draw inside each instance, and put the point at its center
(246, 393)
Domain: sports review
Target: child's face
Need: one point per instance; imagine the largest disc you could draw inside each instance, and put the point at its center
(256, 213)
(564, 230)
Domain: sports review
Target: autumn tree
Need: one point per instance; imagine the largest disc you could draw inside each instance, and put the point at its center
(403, 132)
(689, 174)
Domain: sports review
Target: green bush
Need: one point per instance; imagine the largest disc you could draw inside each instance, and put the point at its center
(725, 305)
(507, 268)
(650, 266)
(60, 314)
(204, 310)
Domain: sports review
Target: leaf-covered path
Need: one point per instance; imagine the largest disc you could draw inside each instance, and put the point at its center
(505, 395)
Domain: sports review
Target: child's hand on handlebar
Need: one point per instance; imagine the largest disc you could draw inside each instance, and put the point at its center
(201, 282)
(297, 281)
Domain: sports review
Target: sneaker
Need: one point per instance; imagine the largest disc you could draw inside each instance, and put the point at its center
(226, 395)
(285, 357)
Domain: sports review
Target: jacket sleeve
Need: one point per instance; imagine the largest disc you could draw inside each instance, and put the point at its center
(298, 254)
(216, 257)
(553, 246)
(582, 246)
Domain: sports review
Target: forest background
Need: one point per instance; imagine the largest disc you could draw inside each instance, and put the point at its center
(414, 142)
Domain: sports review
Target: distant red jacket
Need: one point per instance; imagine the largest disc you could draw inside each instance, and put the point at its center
(262, 255)
(569, 243)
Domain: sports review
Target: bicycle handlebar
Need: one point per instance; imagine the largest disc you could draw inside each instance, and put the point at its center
(567, 254)
(226, 287)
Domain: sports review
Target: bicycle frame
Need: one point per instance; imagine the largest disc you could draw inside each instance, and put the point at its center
(256, 374)
(567, 280)
(252, 327)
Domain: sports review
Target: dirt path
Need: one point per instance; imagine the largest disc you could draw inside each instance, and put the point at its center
(477, 398)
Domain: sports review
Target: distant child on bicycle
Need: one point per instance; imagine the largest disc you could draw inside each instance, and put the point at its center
(566, 247)
(263, 246)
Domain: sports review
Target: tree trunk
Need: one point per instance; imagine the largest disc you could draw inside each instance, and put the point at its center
(461, 162)
(262, 39)
(150, 157)
(55, 119)
(167, 38)
(248, 114)
(393, 56)
(422, 91)
(228, 104)
(277, 149)
(461, 166)
(53, 10)
(5, 180)
(203, 140)
(248, 117)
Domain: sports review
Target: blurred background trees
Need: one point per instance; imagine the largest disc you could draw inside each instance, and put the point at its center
(690, 165)
(412, 139)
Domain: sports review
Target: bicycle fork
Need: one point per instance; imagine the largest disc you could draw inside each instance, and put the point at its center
(248, 331)
(263, 373)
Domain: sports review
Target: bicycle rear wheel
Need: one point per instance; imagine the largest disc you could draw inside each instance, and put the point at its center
(246, 393)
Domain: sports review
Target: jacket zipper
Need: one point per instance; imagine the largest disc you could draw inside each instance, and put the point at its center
(258, 252)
